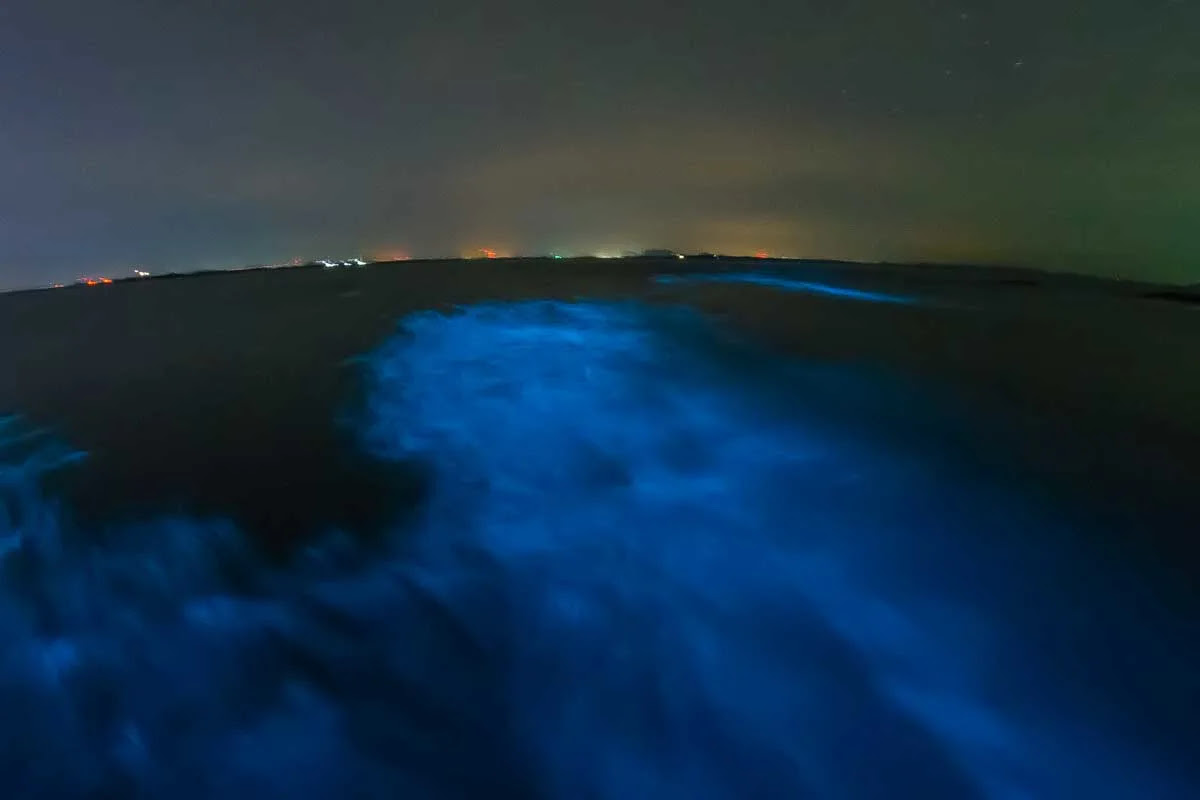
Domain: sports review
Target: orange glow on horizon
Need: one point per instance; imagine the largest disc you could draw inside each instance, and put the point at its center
(391, 255)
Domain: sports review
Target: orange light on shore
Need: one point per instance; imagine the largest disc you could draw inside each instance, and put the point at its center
(762, 254)
(384, 256)
(488, 253)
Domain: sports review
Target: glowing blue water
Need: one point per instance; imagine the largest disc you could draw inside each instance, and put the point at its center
(791, 285)
(644, 571)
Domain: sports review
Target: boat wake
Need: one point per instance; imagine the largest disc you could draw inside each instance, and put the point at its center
(647, 567)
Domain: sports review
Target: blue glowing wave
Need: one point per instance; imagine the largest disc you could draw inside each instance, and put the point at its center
(789, 284)
(643, 571)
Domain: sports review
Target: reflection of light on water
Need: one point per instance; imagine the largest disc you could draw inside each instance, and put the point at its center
(788, 284)
(643, 571)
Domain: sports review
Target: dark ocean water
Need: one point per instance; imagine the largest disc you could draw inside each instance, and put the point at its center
(649, 560)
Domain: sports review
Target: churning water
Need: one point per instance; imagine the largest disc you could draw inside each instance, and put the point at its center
(653, 562)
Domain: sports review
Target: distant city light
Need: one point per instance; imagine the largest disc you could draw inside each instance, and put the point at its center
(351, 262)
(762, 254)
(141, 273)
(383, 256)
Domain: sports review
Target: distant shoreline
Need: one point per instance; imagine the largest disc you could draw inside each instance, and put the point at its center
(991, 274)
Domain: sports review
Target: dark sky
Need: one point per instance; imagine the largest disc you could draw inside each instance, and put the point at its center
(183, 135)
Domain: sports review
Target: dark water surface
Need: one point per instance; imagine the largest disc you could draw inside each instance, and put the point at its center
(726, 536)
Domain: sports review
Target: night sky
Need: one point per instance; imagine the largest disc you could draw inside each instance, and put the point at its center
(179, 136)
